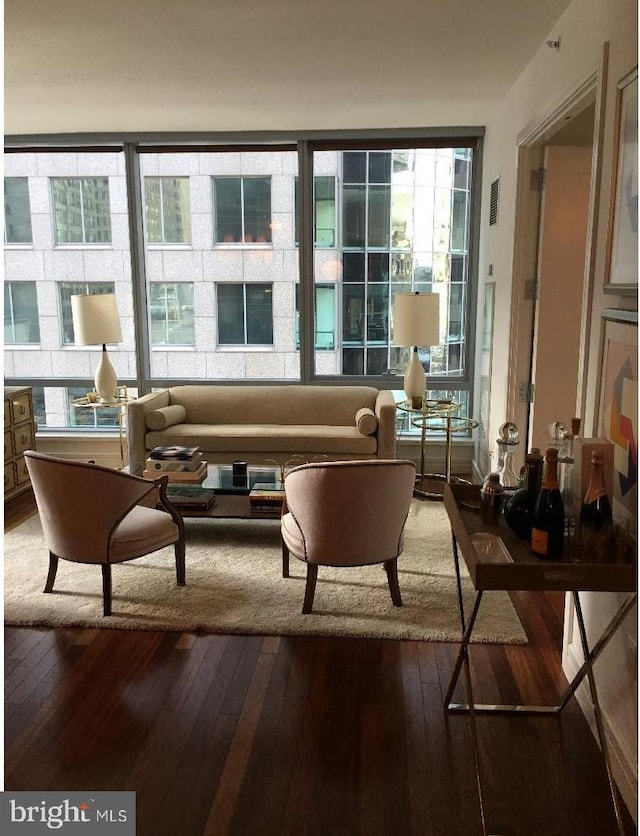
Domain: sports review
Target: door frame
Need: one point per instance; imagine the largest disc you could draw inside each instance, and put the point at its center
(531, 142)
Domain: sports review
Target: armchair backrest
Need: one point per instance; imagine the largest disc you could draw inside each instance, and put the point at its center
(80, 504)
(351, 513)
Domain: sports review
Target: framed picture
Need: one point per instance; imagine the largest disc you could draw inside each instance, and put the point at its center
(621, 272)
(618, 405)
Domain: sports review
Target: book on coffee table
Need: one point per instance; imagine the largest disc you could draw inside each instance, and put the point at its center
(198, 475)
(191, 496)
(174, 453)
(265, 497)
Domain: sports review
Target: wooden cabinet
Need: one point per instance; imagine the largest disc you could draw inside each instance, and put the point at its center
(19, 435)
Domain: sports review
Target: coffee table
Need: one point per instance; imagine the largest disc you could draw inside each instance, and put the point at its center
(232, 494)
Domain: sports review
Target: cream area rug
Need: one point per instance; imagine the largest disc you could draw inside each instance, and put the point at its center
(235, 585)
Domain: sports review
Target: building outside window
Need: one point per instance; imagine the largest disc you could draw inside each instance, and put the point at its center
(82, 213)
(242, 207)
(324, 211)
(245, 314)
(168, 213)
(68, 289)
(17, 211)
(325, 317)
(21, 323)
(171, 313)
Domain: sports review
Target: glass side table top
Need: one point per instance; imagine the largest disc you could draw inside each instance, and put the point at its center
(431, 408)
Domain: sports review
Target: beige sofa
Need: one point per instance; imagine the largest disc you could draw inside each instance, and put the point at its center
(257, 423)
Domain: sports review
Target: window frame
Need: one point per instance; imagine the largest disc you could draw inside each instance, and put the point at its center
(305, 142)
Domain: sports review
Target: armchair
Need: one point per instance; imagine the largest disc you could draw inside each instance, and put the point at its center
(91, 514)
(346, 514)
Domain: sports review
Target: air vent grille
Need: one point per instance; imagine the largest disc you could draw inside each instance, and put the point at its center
(493, 205)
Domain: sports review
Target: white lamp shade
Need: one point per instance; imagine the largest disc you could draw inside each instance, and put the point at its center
(416, 319)
(95, 319)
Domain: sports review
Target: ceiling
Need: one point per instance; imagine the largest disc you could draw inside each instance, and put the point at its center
(87, 65)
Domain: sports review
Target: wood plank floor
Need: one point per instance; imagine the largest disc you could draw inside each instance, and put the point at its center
(249, 735)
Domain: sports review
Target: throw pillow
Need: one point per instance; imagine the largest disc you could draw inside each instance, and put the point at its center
(165, 417)
(366, 421)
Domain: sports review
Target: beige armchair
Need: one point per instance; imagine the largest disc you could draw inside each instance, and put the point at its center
(346, 514)
(91, 514)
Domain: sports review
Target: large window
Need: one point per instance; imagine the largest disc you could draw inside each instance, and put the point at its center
(21, 323)
(245, 314)
(242, 207)
(218, 282)
(82, 211)
(17, 211)
(171, 311)
(68, 289)
(167, 210)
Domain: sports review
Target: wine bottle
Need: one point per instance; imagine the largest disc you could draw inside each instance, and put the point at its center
(518, 509)
(547, 529)
(596, 507)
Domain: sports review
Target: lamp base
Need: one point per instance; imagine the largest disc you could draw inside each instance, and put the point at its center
(415, 380)
(106, 380)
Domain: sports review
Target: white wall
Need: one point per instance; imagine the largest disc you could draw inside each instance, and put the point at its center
(546, 82)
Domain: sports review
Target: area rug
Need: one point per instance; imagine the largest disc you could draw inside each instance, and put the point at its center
(235, 585)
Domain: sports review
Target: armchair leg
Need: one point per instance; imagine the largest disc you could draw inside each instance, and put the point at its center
(106, 588)
(285, 560)
(310, 589)
(391, 568)
(53, 568)
(180, 562)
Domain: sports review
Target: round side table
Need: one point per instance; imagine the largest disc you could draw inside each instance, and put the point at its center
(437, 415)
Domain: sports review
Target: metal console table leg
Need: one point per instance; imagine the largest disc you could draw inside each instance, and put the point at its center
(590, 655)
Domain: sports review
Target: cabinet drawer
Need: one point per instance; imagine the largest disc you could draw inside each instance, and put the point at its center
(22, 474)
(21, 407)
(8, 446)
(23, 438)
(9, 477)
(7, 412)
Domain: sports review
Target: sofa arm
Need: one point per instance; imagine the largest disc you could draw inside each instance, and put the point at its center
(137, 427)
(386, 414)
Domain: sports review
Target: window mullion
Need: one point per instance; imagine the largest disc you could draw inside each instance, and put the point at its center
(82, 223)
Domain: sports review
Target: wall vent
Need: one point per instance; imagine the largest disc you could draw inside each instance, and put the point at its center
(493, 204)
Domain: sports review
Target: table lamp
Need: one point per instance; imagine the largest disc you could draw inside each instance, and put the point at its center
(416, 322)
(96, 321)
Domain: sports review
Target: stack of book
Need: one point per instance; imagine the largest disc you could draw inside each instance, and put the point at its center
(266, 497)
(180, 464)
(191, 497)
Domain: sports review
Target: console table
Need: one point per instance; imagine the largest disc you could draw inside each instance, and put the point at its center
(497, 559)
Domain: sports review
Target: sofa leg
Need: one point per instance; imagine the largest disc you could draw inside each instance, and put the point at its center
(310, 589)
(180, 562)
(391, 568)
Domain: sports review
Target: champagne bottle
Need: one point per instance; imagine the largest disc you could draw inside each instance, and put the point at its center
(518, 509)
(547, 529)
(596, 507)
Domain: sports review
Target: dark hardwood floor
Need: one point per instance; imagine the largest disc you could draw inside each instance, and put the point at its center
(251, 736)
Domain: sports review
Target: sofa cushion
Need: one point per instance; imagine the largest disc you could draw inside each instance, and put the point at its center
(167, 416)
(366, 421)
(279, 404)
(266, 438)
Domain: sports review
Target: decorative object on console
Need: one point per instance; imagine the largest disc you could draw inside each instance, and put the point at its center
(416, 322)
(96, 321)
(508, 438)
